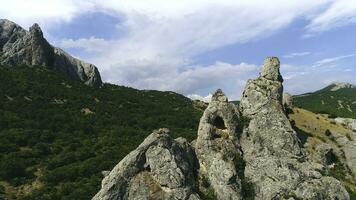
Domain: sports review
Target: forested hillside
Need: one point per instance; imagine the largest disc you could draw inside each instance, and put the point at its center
(57, 134)
(334, 100)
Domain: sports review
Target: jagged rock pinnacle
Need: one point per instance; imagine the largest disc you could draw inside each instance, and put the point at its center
(219, 95)
(270, 69)
(21, 47)
(270, 145)
(35, 30)
(263, 156)
(217, 147)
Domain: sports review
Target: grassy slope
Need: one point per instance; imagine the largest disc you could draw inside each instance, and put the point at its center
(341, 103)
(50, 149)
(314, 126)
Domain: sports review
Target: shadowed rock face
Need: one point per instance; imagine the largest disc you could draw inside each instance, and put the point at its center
(276, 164)
(21, 47)
(273, 162)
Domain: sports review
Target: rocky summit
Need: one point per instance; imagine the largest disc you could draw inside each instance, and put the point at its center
(21, 47)
(245, 152)
(275, 162)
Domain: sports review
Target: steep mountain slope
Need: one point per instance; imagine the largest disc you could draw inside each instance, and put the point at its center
(57, 134)
(337, 99)
(21, 47)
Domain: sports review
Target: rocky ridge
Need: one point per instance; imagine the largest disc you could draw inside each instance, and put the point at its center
(338, 85)
(250, 152)
(21, 47)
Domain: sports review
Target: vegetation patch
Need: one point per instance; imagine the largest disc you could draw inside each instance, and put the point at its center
(71, 144)
(339, 103)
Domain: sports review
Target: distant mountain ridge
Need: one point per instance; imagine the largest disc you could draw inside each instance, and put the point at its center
(336, 99)
(21, 47)
(339, 85)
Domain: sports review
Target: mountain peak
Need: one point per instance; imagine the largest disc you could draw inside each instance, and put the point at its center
(341, 85)
(35, 29)
(270, 69)
(219, 95)
(21, 47)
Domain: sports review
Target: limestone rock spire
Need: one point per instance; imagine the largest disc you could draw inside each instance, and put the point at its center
(21, 47)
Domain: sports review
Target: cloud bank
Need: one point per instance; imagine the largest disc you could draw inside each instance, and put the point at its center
(162, 38)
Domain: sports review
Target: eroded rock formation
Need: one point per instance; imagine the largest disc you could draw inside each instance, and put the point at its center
(160, 168)
(217, 147)
(275, 162)
(21, 47)
(252, 149)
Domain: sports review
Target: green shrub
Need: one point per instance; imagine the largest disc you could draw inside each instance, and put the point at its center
(71, 148)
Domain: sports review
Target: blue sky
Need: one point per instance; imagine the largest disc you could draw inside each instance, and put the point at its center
(196, 46)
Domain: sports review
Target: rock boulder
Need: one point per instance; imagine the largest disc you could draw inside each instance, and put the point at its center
(160, 168)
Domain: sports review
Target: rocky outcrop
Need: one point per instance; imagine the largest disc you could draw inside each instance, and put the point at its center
(275, 162)
(217, 147)
(347, 122)
(287, 101)
(337, 86)
(160, 168)
(348, 146)
(251, 152)
(21, 47)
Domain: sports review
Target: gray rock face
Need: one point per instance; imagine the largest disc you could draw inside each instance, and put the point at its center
(275, 163)
(160, 168)
(348, 147)
(9, 32)
(217, 147)
(270, 69)
(21, 47)
(31, 49)
(266, 157)
(348, 122)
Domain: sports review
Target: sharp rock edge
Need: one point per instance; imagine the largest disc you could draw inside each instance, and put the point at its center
(21, 47)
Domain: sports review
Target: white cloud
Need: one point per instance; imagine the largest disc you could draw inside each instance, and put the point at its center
(339, 13)
(201, 98)
(162, 37)
(190, 80)
(91, 44)
(297, 54)
(330, 61)
(45, 12)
